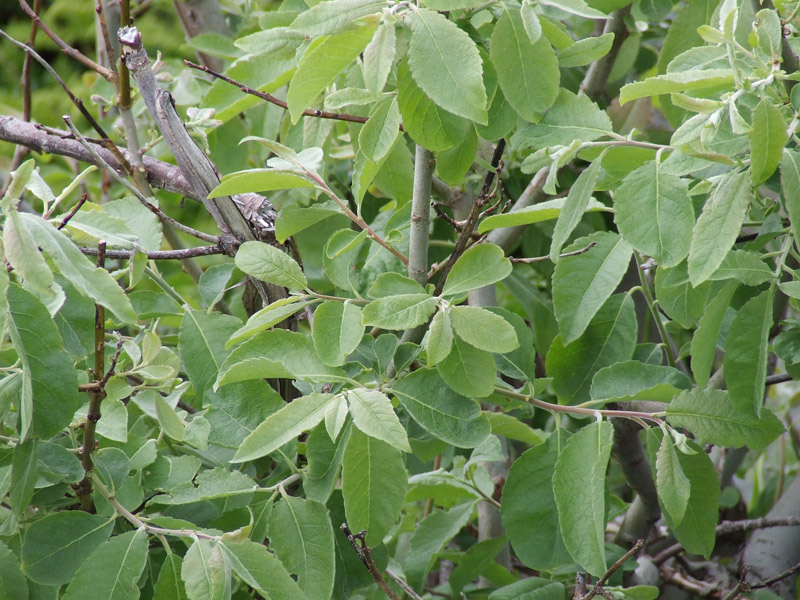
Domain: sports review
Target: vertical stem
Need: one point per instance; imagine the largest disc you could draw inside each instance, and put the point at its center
(95, 396)
(651, 303)
(420, 215)
(597, 76)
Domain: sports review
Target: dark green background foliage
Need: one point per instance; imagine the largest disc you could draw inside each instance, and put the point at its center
(590, 337)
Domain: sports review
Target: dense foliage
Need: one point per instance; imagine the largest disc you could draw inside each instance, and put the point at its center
(526, 302)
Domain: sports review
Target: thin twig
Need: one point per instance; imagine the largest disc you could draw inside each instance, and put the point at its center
(71, 214)
(598, 587)
(183, 254)
(212, 239)
(359, 544)
(403, 584)
(66, 48)
(527, 261)
(779, 378)
(321, 114)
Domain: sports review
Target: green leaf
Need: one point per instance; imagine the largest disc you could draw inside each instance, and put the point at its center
(790, 188)
(579, 488)
(262, 571)
(634, 380)
(301, 535)
(49, 396)
(671, 483)
(452, 165)
(378, 57)
(320, 66)
(373, 485)
(743, 266)
(714, 418)
(433, 532)
(24, 474)
(89, 280)
(697, 79)
(767, 139)
(746, 353)
(654, 214)
(582, 283)
(209, 485)
(521, 362)
(259, 180)
(530, 588)
(269, 264)
(467, 370)
(403, 311)
(443, 413)
(13, 585)
(275, 353)
(206, 571)
(373, 414)
(268, 317)
(585, 51)
(474, 561)
(334, 16)
(324, 459)
(718, 225)
(512, 428)
(439, 339)
(445, 63)
(55, 546)
(171, 423)
(681, 301)
(570, 118)
(391, 284)
(526, 71)
(279, 428)
(481, 265)
(169, 585)
(336, 331)
(574, 207)
(379, 133)
(295, 218)
(697, 531)
(22, 253)
(112, 571)
(426, 122)
(90, 226)
(529, 508)
(576, 7)
(483, 329)
(704, 340)
(543, 211)
(609, 338)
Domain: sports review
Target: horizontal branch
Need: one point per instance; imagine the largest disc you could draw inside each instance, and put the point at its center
(159, 254)
(159, 174)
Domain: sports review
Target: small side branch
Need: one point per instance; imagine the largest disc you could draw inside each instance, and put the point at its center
(534, 259)
(598, 587)
(364, 553)
(183, 254)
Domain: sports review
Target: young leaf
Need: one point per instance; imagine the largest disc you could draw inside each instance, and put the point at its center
(301, 535)
(439, 338)
(469, 371)
(259, 180)
(474, 561)
(527, 71)
(718, 225)
(373, 485)
(206, 571)
(790, 187)
(746, 352)
(543, 211)
(261, 570)
(268, 317)
(324, 460)
(112, 571)
(704, 340)
(576, 7)
(530, 21)
(379, 133)
(582, 283)
(379, 56)
(696, 79)
(24, 474)
(483, 329)
(45, 408)
(431, 535)
(440, 411)
(578, 200)
(452, 165)
(269, 264)
(13, 585)
(403, 311)
(334, 16)
(373, 414)
(481, 265)
(22, 253)
(678, 298)
(609, 338)
(767, 139)
(209, 485)
(579, 488)
(654, 214)
(632, 380)
(585, 51)
(279, 428)
(672, 484)
(55, 546)
(169, 585)
(445, 63)
(745, 267)
(529, 508)
(714, 418)
(320, 66)
(336, 331)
